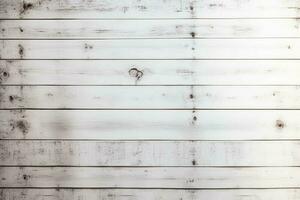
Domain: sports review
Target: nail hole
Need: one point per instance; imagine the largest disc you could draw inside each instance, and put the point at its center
(5, 74)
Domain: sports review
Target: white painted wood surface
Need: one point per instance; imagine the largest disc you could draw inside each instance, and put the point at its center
(150, 72)
(138, 99)
(150, 124)
(149, 194)
(150, 97)
(151, 153)
(150, 177)
(148, 9)
(179, 28)
(152, 49)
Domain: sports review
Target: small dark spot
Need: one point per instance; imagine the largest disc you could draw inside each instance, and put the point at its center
(195, 118)
(193, 34)
(87, 46)
(280, 124)
(142, 7)
(191, 96)
(194, 162)
(3, 179)
(274, 94)
(134, 72)
(289, 47)
(5, 74)
(191, 7)
(3, 29)
(21, 30)
(193, 48)
(21, 50)
(11, 98)
(26, 177)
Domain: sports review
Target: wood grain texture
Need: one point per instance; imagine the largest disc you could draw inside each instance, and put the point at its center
(189, 28)
(150, 124)
(149, 194)
(150, 72)
(150, 97)
(162, 177)
(152, 153)
(148, 9)
(152, 49)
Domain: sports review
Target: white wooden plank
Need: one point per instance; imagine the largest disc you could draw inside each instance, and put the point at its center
(151, 97)
(152, 49)
(148, 9)
(133, 177)
(196, 28)
(150, 72)
(150, 124)
(154, 153)
(149, 194)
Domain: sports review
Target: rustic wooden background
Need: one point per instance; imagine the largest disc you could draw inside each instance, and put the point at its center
(149, 99)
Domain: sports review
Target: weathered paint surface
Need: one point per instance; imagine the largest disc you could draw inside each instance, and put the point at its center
(154, 100)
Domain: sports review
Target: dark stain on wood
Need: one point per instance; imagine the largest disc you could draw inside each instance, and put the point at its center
(21, 29)
(193, 34)
(21, 51)
(194, 162)
(280, 124)
(21, 125)
(12, 98)
(137, 74)
(88, 46)
(26, 7)
(26, 177)
(3, 75)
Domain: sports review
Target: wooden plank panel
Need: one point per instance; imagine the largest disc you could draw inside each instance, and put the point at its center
(150, 72)
(196, 28)
(148, 9)
(149, 194)
(154, 153)
(150, 97)
(152, 49)
(150, 124)
(123, 124)
(209, 125)
(136, 177)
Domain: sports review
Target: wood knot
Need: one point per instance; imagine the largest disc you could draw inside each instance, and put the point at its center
(21, 50)
(134, 72)
(26, 177)
(11, 98)
(280, 124)
(194, 162)
(3, 75)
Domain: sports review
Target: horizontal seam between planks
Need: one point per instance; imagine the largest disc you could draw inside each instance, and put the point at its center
(151, 188)
(142, 166)
(146, 38)
(151, 140)
(191, 109)
(148, 59)
(147, 18)
(149, 85)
